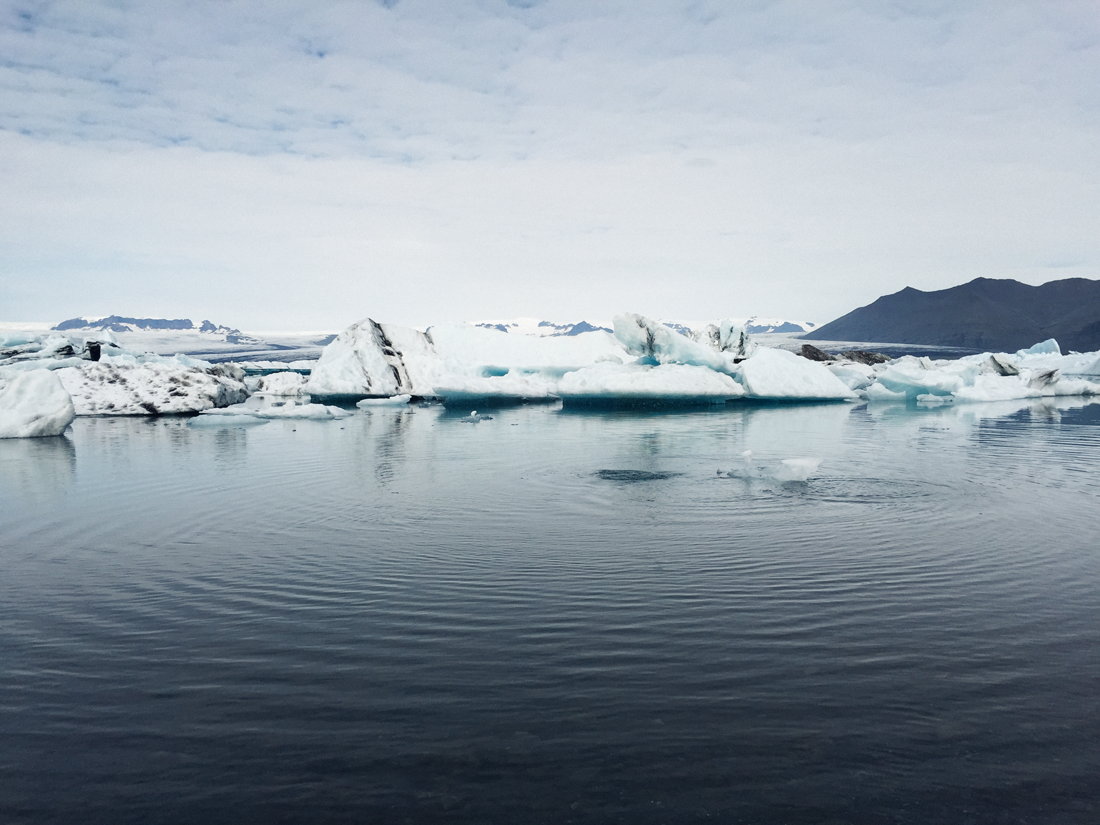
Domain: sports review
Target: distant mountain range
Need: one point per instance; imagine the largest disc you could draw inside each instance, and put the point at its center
(985, 314)
(119, 323)
(534, 326)
(542, 329)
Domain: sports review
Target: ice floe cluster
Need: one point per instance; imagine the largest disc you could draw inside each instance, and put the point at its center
(644, 361)
(641, 362)
(1041, 371)
(102, 378)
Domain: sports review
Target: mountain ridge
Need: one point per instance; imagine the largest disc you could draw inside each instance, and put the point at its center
(982, 314)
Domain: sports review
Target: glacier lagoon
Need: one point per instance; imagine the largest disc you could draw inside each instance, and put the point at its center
(537, 615)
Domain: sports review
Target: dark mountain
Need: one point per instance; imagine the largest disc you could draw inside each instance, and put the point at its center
(985, 314)
(784, 326)
(118, 323)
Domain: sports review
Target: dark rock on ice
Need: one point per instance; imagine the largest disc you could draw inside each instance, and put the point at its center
(814, 354)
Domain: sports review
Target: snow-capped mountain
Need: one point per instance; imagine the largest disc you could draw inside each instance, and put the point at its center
(119, 323)
(543, 329)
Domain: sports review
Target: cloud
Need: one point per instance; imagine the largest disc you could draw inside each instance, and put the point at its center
(416, 160)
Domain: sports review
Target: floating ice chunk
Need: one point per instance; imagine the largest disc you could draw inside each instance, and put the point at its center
(877, 392)
(671, 383)
(778, 374)
(729, 337)
(999, 365)
(1039, 379)
(392, 401)
(469, 350)
(854, 376)
(288, 409)
(786, 470)
(282, 383)
(650, 339)
(381, 359)
(919, 376)
(35, 404)
(99, 388)
(796, 469)
(513, 386)
(1084, 366)
(361, 360)
(1047, 347)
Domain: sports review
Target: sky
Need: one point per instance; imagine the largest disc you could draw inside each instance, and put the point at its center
(302, 165)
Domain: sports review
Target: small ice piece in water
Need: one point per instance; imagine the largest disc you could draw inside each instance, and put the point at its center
(797, 469)
(282, 409)
(392, 401)
(930, 400)
(788, 469)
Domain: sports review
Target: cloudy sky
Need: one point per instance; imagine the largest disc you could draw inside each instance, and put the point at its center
(300, 165)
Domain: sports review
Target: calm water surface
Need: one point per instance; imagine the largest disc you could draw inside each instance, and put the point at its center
(405, 617)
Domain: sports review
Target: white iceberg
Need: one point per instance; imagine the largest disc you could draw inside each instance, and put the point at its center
(650, 339)
(645, 360)
(35, 404)
(282, 383)
(516, 386)
(785, 471)
(455, 362)
(278, 410)
(392, 401)
(110, 388)
(780, 375)
(1040, 371)
(361, 360)
(645, 384)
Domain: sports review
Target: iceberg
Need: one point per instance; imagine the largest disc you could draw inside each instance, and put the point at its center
(282, 383)
(121, 382)
(107, 388)
(1040, 371)
(776, 374)
(728, 336)
(652, 340)
(455, 362)
(786, 471)
(392, 401)
(608, 383)
(277, 410)
(362, 360)
(35, 404)
(512, 387)
(645, 361)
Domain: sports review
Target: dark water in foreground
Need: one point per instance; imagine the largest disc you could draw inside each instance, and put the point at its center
(555, 617)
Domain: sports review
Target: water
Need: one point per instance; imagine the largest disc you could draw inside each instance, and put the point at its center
(555, 617)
